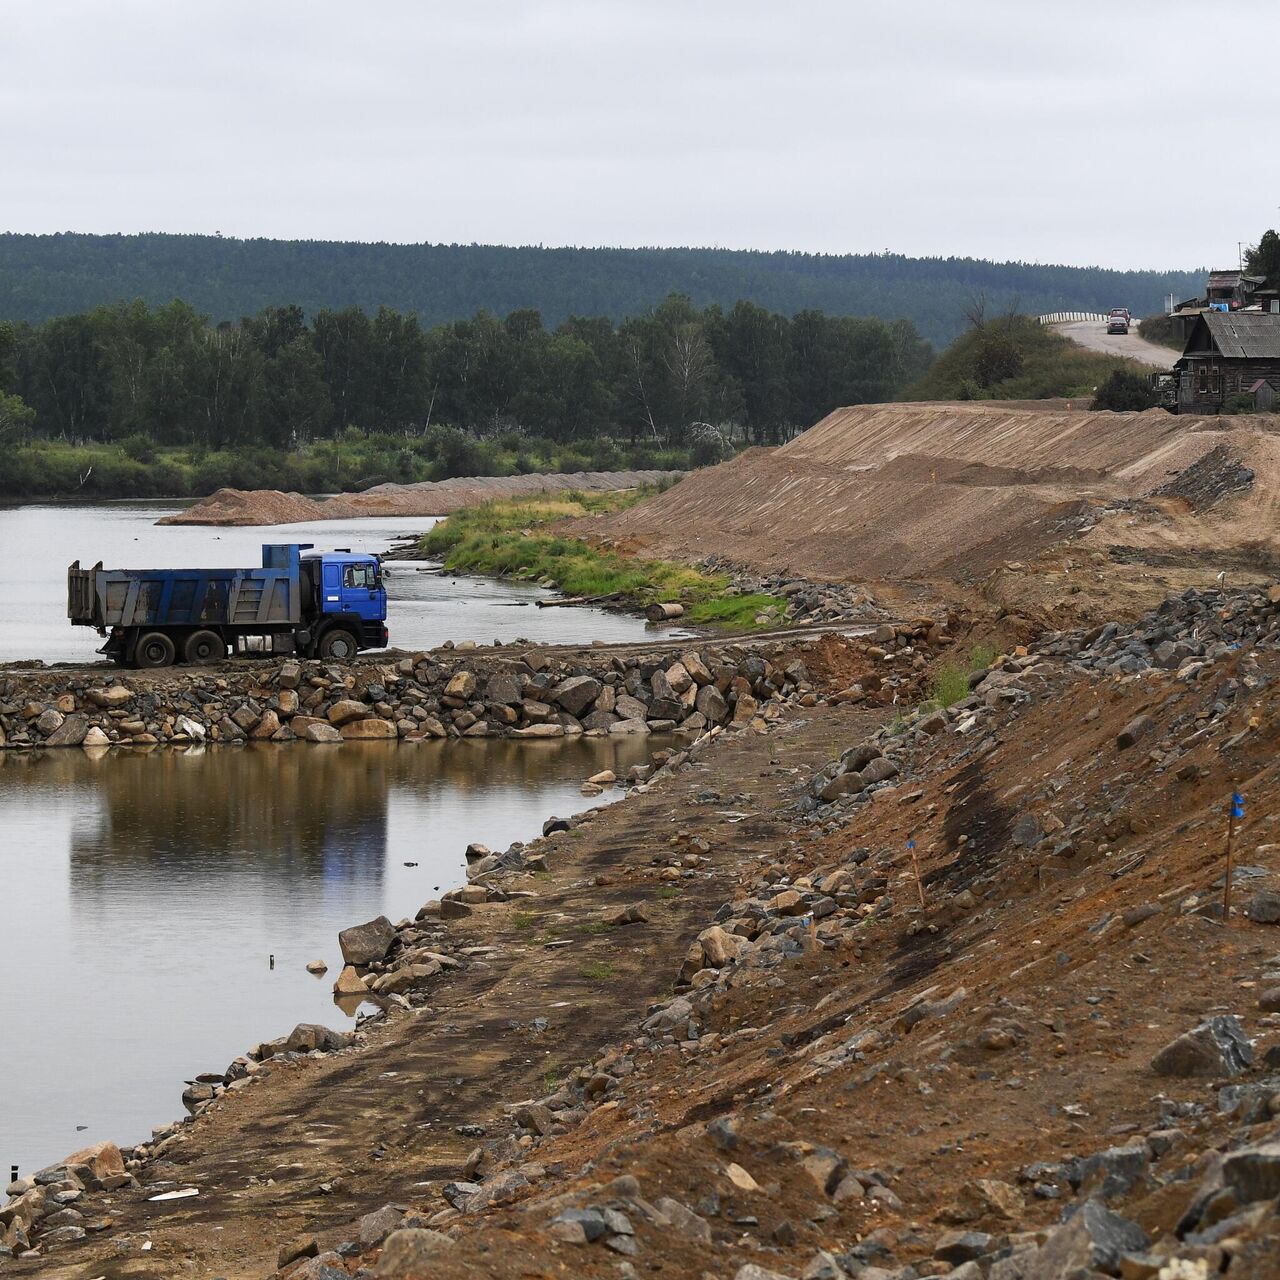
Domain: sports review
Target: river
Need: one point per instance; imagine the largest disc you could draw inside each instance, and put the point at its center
(424, 609)
(142, 895)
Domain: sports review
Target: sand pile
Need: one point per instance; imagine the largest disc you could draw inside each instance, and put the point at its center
(430, 498)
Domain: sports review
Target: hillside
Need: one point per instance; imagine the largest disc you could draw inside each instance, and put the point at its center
(45, 276)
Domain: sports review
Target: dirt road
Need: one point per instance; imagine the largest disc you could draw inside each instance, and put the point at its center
(1093, 334)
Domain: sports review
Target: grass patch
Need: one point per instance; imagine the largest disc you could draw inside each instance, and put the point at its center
(598, 970)
(524, 920)
(515, 538)
(592, 926)
(950, 683)
(668, 892)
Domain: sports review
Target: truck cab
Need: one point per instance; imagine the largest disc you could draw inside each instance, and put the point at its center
(347, 594)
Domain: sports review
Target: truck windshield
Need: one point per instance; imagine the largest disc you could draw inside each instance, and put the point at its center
(360, 575)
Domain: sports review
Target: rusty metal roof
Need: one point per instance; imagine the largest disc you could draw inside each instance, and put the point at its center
(1243, 335)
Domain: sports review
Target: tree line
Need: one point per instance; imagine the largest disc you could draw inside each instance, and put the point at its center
(670, 377)
(43, 276)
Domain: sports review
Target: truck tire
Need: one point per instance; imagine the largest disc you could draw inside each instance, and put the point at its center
(338, 645)
(201, 647)
(153, 649)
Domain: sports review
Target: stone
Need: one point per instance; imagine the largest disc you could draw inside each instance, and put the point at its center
(410, 1251)
(103, 1160)
(881, 769)
(364, 944)
(962, 1246)
(1253, 1172)
(633, 914)
(318, 731)
(576, 694)
(462, 686)
(268, 723)
(347, 711)
(626, 707)
(591, 1221)
(1093, 1237)
(302, 1247)
(718, 946)
(70, 732)
(684, 1220)
(710, 702)
(110, 699)
(317, 967)
(623, 728)
(1217, 1047)
(290, 675)
(984, 1198)
(307, 1037)
(1269, 1000)
(350, 983)
(368, 730)
(697, 669)
(1137, 728)
(454, 909)
(753, 1271)
(503, 689)
(94, 737)
(375, 1227)
(1264, 907)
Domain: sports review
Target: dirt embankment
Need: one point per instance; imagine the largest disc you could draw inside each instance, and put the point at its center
(721, 1033)
(934, 499)
(430, 498)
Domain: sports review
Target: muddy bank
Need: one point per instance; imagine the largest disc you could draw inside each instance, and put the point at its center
(429, 498)
(739, 1026)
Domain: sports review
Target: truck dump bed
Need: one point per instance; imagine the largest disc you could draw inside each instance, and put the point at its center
(107, 598)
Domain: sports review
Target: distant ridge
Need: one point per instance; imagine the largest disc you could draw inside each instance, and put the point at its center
(50, 275)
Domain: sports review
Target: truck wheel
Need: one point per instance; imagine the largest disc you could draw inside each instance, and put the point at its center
(154, 649)
(338, 645)
(202, 647)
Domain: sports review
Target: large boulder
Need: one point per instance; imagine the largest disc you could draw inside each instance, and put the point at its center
(365, 944)
(410, 1252)
(576, 694)
(462, 686)
(503, 689)
(317, 731)
(347, 711)
(70, 733)
(110, 699)
(366, 730)
(711, 703)
(1217, 1047)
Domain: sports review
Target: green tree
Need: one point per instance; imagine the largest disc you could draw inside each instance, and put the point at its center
(1264, 259)
(1125, 392)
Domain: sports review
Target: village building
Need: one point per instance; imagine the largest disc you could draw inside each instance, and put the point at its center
(1231, 359)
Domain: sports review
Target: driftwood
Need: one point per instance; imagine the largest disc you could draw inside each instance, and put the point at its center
(560, 604)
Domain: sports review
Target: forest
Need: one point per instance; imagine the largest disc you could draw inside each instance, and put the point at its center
(44, 276)
(153, 400)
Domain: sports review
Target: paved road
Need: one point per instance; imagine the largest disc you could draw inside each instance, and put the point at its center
(1093, 334)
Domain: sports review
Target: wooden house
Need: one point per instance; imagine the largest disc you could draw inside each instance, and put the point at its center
(1229, 355)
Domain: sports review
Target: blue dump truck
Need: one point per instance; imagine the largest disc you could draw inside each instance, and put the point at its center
(328, 604)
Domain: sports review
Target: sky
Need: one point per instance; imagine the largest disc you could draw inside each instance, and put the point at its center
(1076, 131)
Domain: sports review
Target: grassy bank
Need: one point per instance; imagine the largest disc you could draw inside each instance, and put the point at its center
(517, 538)
(136, 468)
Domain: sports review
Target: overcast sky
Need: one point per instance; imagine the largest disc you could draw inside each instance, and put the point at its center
(1078, 131)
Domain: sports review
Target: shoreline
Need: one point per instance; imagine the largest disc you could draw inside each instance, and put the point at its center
(484, 872)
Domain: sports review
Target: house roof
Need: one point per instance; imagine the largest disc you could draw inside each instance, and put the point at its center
(1244, 335)
(1229, 279)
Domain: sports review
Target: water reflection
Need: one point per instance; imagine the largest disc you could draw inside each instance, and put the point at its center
(142, 893)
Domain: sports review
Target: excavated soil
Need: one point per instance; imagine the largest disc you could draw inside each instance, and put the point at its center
(1050, 1002)
(430, 498)
(934, 499)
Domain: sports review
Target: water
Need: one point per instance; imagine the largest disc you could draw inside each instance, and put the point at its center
(37, 543)
(141, 895)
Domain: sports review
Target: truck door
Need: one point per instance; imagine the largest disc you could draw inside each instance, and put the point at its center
(331, 590)
(361, 594)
